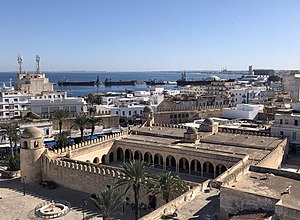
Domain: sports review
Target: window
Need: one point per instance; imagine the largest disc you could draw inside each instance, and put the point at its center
(52, 109)
(15, 100)
(129, 112)
(66, 108)
(281, 121)
(296, 122)
(123, 113)
(44, 110)
(72, 108)
(6, 107)
(286, 121)
(294, 135)
(117, 112)
(281, 133)
(6, 100)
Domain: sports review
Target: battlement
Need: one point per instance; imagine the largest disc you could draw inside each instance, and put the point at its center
(191, 108)
(90, 143)
(245, 132)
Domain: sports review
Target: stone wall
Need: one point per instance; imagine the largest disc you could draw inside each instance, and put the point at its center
(233, 173)
(233, 201)
(286, 213)
(171, 206)
(275, 157)
(86, 178)
(165, 116)
(109, 121)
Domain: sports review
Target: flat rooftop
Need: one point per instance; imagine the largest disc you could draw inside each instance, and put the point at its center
(270, 185)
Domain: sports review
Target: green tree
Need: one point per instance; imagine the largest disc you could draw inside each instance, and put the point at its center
(81, 122)
(60, 115)
(12, 132)
(108, 201)
(167, 185)
(61, 139)
(135, 175)
(93, 121)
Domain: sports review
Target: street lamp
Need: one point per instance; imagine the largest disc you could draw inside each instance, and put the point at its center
(23, 180)
(84, 203)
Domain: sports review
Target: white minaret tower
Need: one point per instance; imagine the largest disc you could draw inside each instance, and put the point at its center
(37, 60)
(20, 61)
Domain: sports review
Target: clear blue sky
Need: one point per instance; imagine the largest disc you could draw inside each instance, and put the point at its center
(150, 35)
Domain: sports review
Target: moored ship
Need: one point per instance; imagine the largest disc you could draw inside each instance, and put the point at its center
(108, 82)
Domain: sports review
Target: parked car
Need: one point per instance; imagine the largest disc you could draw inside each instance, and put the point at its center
(48, 184)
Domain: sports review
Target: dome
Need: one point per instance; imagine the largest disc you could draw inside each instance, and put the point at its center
(32, 132)
(208, 121)
(148, 108)
(213, 78)
(191, 130)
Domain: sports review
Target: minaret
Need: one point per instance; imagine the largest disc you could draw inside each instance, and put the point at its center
(20, 61)
(32, 148)
(37, 60)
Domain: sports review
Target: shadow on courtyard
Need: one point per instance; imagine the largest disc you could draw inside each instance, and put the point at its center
(74, 197)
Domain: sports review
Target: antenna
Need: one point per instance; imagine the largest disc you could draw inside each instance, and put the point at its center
(37, 60)
(20, 61)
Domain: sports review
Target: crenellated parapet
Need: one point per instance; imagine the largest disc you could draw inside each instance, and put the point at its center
(245, 132)
(79, 166)
(191, 108)
(91, 143)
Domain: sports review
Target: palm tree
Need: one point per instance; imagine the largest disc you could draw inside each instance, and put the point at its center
(93, 121)
(60, 115)
(109, 201)
(81, 121)
(167, 185)
(135, 175)
(62, 139)
(12, 132)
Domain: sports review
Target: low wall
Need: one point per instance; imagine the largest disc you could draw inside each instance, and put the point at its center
(277, 172)
(286, 213)
(233, 201)
(232, 174)
(275, 157)
(86, 178)
(171, 206)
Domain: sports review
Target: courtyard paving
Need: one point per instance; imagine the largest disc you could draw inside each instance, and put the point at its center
(15, 206)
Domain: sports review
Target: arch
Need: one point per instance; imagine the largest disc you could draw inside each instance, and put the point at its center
(148, 158)
(158, 161)
(25, 145)
(195, 167)
(128, 155)
(111, 157)
(171, 163)
(138, 155)
(103, 159)
(183, 165)
(208, 169)
(96, 160)
(120, 154)
(36, 144)
(220, 168)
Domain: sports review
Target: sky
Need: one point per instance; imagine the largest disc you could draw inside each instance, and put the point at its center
(140, 35)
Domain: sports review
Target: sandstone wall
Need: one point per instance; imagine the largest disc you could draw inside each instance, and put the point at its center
(232, 201)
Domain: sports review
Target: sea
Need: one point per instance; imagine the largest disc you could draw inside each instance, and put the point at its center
(54, 77)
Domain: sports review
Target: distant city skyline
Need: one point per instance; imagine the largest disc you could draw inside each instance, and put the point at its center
(150, 35)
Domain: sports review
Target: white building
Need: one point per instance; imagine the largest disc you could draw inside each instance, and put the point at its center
(49, 101)
(246, 94)
(243, 111)
(12, 102)
(288, 124)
